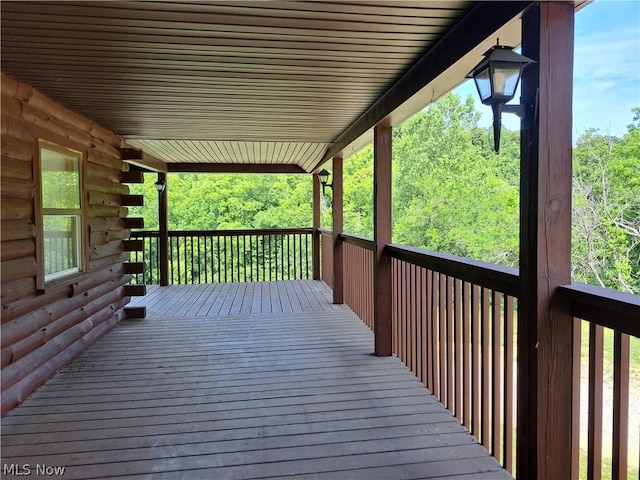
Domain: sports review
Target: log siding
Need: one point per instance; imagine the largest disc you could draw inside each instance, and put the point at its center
(43, 329)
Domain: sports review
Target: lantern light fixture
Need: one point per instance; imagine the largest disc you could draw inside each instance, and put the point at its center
(497, 77)
(323, 176)
(160, 186)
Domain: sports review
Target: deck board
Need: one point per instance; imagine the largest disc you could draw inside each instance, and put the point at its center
(283, 384)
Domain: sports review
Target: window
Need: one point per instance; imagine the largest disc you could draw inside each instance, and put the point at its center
(61, 208)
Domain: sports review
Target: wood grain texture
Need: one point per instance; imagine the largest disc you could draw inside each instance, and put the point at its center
(44, 326)
(382, 280)
(246, 395)
(338, 225)
(545, 328)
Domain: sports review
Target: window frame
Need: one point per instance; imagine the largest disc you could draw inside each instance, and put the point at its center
(64, 278)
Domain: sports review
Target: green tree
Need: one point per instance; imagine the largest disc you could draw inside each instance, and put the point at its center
(606, 209)
(449, 194)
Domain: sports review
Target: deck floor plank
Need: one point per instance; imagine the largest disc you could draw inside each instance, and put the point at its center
(272, 381)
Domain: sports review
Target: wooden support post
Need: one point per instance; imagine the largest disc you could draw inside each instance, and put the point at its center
(316, 226)
(545, 333)
(163, 241)
(382, 278)
(338, 265)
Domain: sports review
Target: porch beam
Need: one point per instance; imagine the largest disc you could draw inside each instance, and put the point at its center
(139, 158)
(545, 334)
(315, 236)
(163, 240)
(338, 247)
(233, 168)
(382, 277)
(481, 22)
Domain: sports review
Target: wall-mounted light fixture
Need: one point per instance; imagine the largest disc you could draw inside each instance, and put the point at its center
(323, 175)
(497, 77)
(160, 186)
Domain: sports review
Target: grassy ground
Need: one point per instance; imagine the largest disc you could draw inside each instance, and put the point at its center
(634, 404)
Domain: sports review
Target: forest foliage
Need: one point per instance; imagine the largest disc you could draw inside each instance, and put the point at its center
(451, 193)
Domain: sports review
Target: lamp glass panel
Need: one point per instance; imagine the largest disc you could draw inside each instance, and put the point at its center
(505, 80)
(483, 84)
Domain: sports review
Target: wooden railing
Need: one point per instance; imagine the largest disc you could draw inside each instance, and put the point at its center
(228, 256)
(358, 276)
(606, 323)
(326, 256)
(454, 326)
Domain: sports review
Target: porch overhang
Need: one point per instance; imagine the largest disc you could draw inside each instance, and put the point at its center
(248, 86)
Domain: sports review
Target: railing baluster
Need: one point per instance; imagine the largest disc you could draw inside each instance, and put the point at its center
(496, 375)
(239, 258)
(621, 354)
(575, 423)
(458, 347)
(466, 355)
(192, 262)
(476, 361)
(451, 372)
(596, 347)
(244, 256)
(178, 270)
(409, 320)
(442, 327)
(435, 342)
(289, 259)
(232, 265)
(485, 436)
(260, 257)
(299, 256)
(282, 255)
(405, 314)
(275, 247)
(185, 262)
(430, 353)
(251, 241)
(207, 240)
(395, 305)
(508, 385)
(424, 326)
(306, 254)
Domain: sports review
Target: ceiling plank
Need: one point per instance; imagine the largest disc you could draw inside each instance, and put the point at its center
(484, 19)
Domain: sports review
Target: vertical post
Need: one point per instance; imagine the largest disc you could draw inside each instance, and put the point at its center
(382, 280)
(338, 284)
(316, 225)
(545, 334)
(163, 241)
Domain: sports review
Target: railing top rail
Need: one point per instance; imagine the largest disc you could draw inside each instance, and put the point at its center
(358, 240)
(609, 308)
(496, 277)
(223, 233)
(325, 231)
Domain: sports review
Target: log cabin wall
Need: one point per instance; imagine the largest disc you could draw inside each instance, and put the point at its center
(43, 329)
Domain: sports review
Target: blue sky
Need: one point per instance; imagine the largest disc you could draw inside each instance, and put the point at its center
(606, 69)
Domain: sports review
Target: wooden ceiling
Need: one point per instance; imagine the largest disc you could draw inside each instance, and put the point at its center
(237, 83)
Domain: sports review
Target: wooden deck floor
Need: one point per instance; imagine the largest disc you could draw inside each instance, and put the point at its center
(208, 388)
